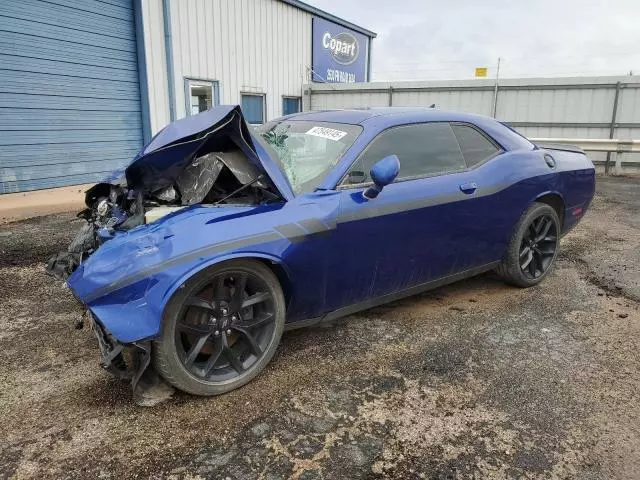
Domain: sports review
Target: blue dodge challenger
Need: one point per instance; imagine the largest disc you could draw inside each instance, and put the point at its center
(218, 237)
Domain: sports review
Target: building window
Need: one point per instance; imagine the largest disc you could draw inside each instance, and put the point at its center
(200, 95)
(290, 105)
(253, 108)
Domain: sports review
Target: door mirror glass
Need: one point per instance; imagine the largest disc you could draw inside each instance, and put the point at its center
(382, 173)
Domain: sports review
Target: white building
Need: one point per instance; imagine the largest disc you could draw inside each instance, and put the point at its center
(84, 84)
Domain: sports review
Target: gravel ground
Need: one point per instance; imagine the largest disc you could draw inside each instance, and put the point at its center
(473, 380)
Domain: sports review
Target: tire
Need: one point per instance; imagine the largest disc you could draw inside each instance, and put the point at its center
(214, 339)
(531, 242)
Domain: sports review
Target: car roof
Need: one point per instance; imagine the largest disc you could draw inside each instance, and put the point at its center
(359, 116)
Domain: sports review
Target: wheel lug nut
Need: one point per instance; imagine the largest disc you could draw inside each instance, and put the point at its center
(229, 332)
(234, 318)
(216, 333)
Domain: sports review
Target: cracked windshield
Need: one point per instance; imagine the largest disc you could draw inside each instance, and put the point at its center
(307, 151)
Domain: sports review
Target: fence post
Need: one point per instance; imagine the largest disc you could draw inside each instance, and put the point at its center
(495, 101)
(390, 96)
(495, 91)
(612, 126)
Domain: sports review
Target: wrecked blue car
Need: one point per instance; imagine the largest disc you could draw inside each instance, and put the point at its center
(218, 237)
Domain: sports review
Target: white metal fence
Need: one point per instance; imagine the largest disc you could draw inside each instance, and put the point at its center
(613, 147)
(580, 108)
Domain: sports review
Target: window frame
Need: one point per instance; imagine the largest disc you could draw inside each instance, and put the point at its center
(264, 104)
(215, 91)
(292, 97)
(341, 186)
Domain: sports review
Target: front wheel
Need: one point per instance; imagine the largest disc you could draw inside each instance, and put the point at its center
(533, 247)
(221, 328)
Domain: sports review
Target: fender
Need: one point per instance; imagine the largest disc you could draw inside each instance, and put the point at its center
(215, 261)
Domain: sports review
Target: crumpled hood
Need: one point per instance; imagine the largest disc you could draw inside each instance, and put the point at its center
(161, 161)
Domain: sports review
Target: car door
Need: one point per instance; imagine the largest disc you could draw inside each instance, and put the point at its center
(423, 226)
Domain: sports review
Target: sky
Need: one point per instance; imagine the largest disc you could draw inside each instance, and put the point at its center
(425, 40)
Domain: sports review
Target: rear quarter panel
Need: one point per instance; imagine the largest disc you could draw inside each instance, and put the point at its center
(577, 184)
(510, 183)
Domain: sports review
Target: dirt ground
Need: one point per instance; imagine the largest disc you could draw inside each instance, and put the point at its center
(473, 380)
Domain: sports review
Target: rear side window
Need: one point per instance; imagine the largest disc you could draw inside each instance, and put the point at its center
(476, 148)
(423, 149)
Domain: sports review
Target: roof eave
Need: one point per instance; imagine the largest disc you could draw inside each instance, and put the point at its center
(321, 13)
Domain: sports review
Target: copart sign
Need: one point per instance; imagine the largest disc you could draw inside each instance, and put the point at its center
(339, 54)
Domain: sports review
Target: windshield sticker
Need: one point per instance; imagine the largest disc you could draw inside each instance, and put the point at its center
(328, 133)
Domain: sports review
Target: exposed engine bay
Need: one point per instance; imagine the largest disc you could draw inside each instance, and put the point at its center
(210, 167)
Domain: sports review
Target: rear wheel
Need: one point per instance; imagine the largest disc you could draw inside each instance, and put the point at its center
(221, 329)
(533, 247)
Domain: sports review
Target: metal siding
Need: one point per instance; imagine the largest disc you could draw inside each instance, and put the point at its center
(629, 106)
(252, 46)
(557, 105)
(70, 99)
(156, 64)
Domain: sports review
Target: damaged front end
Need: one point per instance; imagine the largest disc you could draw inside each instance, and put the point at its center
(110, 208)
(131, 362)
(208, 159)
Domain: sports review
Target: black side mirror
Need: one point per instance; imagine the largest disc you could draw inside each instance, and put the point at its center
(382, 173)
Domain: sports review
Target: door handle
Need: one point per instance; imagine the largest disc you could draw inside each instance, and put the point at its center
(468, 187)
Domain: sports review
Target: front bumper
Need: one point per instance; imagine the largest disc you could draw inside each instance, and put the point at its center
(131, 362)
(112, 356)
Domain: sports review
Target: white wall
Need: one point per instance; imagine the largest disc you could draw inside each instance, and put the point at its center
(156, 63)
(256, 46)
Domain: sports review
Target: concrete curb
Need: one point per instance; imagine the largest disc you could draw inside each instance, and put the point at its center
(19, 206)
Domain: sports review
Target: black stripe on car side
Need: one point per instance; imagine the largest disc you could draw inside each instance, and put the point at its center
(292, 232)
(371, 209)
(295, 232)
(202, 252)
(313, 225)
(317, 227)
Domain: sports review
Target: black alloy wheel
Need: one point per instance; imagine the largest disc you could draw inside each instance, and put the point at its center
(533, 247)
(225, 327)
(221, 329)
(538, 247)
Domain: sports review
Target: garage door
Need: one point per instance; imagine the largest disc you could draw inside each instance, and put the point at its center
(69, 92)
